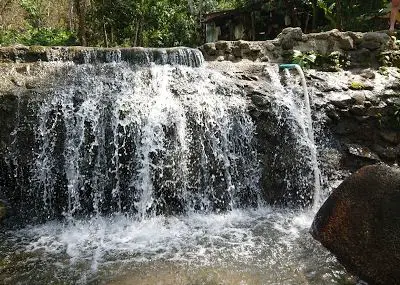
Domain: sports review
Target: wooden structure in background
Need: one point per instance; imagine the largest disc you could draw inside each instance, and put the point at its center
(253, 22)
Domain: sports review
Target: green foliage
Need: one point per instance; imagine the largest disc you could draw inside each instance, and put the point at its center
(173, 22)
(332, 62)
(34, 11)
(172, 27)
(155, 23)
(357, 15)
(145, 23)
(305, 60)
(51, 37)
(44, 37)
(33, 31)
(329, 11)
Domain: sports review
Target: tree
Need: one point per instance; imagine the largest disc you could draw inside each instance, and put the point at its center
(35, 13)
(145, 23)
(158, 22)
(352, 14)
(81, 10)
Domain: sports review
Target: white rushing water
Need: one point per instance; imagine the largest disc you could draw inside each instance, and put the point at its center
(263, 246)
(154, 173)
(147, 140)
(294, 112)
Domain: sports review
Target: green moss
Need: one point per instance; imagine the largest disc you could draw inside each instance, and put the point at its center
(37, 49)
(356, 85)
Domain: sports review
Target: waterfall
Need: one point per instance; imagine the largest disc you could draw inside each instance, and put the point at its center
(310, 131)
(159, 136)
(136, 56)
(294, 162)
(142, 140)
(136, 166)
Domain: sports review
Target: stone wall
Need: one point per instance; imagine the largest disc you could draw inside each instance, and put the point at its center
(361, 109)
(358, 49)
(359, 98)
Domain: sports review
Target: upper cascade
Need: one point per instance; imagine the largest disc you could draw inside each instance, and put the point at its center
(89, 55)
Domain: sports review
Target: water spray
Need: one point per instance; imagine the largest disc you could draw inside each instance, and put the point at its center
(310, 132)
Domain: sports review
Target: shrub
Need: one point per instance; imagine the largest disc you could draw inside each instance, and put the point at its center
(42, 36)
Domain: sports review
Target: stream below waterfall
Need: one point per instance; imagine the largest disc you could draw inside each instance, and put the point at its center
(150, 175)
(263, 246)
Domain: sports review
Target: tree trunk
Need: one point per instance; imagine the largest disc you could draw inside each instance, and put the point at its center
(135, 40)
(253, 26)
(314, 15)
(105, 34)
(306, 23)
(339, 24)
(70, 15)
(80, 6)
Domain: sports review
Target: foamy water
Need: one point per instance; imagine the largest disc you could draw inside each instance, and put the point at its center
(269, 245)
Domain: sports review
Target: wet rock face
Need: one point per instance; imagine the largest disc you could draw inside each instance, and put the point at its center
(2, 211)
(362, 113)
(16, 150)
(286, 170)
(360, 224)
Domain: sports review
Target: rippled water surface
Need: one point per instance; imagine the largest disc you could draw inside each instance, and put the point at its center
(263, 246)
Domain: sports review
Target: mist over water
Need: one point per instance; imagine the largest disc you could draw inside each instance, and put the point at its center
(150, 175)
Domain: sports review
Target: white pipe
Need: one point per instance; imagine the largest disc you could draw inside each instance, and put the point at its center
(310, 132)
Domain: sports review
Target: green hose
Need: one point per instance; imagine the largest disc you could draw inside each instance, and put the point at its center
(287, 66)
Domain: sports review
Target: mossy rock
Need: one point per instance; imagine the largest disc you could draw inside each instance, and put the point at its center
(357, 85)
(390, 58)
(37, 49)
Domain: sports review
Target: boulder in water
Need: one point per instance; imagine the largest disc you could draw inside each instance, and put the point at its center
(360, 224)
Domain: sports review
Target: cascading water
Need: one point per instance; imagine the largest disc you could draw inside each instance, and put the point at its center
(146, 143)
(149, 174)
(308, 123)
(293, 168)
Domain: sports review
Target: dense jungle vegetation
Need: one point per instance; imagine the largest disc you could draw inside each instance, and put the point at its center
(160, 23)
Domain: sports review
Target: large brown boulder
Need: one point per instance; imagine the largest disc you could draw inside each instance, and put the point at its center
(360, 224)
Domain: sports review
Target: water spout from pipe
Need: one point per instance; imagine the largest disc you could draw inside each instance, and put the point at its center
(310, 132)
